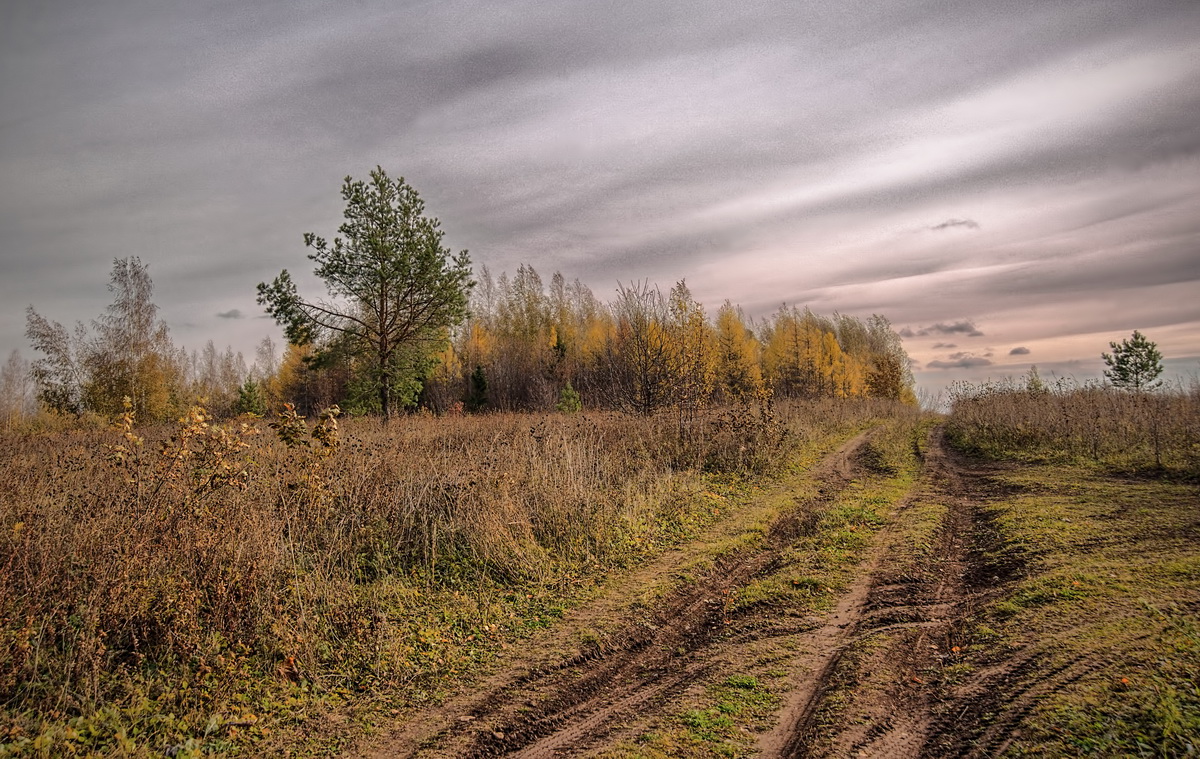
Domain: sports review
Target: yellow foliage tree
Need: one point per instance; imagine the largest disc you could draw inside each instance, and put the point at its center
(693, 351)
(739, 372)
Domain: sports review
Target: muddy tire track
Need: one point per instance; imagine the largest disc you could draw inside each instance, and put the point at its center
(896, 623)
(575, 703)
(813, 672)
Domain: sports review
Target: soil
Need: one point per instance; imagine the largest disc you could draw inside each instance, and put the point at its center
(892, 626)
(901, 627)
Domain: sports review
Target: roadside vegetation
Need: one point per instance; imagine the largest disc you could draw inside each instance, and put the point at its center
(188, 564)
(1093, 515)
(204, 587)
(1068, 423)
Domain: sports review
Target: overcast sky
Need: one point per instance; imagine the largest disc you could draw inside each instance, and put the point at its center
(1011, 183)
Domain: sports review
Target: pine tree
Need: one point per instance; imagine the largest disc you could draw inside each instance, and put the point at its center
(397, 291)
(1134, 364)
(477, 390)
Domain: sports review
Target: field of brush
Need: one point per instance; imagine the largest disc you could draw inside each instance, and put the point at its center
(1091, 647)
(204, 587)
(279, 585)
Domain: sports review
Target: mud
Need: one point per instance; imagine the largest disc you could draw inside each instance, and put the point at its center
(900, 629)
(890, 664)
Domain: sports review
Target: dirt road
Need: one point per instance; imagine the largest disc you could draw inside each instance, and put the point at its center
(850, 676)
(897, 624)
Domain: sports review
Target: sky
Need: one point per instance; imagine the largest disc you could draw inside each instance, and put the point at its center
(1010, 183)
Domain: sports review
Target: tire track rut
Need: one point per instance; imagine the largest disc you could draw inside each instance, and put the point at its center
(913, 611)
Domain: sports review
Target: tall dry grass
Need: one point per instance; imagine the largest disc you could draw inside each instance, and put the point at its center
(134, 563)
(1064, 420)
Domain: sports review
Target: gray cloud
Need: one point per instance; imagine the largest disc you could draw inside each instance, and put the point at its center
(943, 346)
(964, 362)
(232, 313)
(767, 151)
(1020, 351)
(965, 327)
(951, 223)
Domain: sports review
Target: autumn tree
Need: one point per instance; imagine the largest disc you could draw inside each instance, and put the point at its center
(794, 343)
(521, 371)
(16, 390)
(312, 379)
(692, 355)
(647, 350)
(889, 372)
(58, 374)
(132, 354)
(886, 377)
(395, 291)
(858, 344)
(128, 354)
(808, 355)
(739, 372)
(583, 328)
(1134, 364)
(218, 378)
(266, 371)
(530, 341)
(639, 356)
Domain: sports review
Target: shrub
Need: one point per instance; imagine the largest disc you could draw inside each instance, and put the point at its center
(1065, 421)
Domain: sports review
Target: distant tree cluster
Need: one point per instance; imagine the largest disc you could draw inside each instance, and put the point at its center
(127, 353)
(529, 346)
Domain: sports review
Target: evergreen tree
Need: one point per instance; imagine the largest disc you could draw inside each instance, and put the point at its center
(1134, 363)
(569, 401)
(397, 291)
(250, 399)
(477, 390)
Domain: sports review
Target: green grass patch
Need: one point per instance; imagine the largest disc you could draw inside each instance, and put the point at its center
(1109, 596)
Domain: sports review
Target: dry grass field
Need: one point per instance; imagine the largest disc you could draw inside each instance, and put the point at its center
(201, 585)
(822, 579)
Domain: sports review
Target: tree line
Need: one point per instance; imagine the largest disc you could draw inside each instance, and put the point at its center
(406, 324)
(526, 345)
